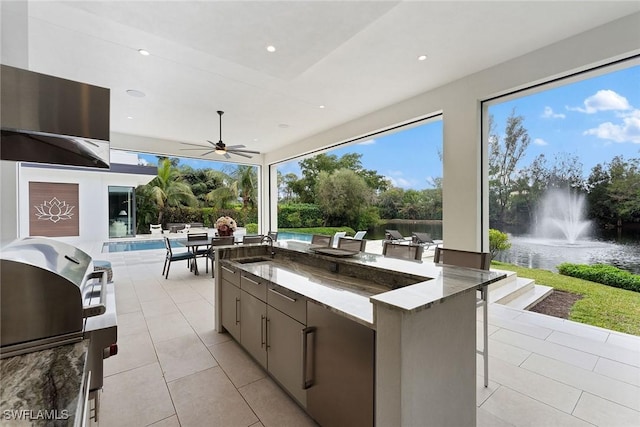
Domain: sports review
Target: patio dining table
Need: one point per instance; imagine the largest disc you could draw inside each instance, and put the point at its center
(193, 246)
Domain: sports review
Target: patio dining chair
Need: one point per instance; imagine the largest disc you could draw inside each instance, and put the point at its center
(217, 241)
(170, 257)
(482, 261)
(319, 240)
(199, 236)
(410, 251)
(352, 244)
(273, 235)
(254, 238)
(155, 228)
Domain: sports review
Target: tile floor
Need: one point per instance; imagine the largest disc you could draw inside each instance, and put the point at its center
(173, 369)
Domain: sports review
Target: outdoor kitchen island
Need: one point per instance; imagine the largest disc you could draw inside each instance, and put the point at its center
(359, 340)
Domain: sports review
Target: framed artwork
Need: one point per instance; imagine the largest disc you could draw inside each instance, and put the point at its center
(53, 209)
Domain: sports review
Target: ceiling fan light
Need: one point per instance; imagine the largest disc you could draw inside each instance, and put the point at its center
(220, 151)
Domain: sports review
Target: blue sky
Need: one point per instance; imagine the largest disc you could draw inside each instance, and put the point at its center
(595, 119)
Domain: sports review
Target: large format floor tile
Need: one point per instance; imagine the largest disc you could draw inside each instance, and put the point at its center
(134, 351)
(236, 363)
(520, 410)
(273, 406)
(183, 356)
(209, 398)
(138, 397)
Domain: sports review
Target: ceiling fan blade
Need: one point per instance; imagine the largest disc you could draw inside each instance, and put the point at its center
(227, 156)
(212, 143)
(244, 151)
(233, 147)
(195, 149)
(208, 152)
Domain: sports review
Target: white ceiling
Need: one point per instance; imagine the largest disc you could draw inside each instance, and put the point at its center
(353, 57)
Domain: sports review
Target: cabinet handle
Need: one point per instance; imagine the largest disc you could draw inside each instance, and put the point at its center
(262, 328)
(288, 298)
(237, 310)
(267, 323)
(249, 280)
(307, 383)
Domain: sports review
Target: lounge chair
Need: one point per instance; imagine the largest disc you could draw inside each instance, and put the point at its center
(185, 229)
(337, 237)
(359, 235)
(424, 239)
(394, 235)
(480, 260)
(155, 228)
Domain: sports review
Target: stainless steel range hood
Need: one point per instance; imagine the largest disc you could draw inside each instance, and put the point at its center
(47, 119)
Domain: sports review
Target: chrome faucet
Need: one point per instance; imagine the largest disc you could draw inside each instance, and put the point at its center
(270, 240)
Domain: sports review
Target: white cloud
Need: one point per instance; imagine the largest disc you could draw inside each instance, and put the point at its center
(367, 142)
(540, 141)
(398, 180)
(549, 114)
(627, 131)
(603, 100)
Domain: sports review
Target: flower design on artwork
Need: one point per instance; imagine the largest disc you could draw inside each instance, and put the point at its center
(54, 210)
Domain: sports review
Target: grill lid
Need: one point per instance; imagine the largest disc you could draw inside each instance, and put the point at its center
(57, 257)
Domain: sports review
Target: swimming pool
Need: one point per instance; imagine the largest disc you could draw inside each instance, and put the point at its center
(141, 245)
(287, 235)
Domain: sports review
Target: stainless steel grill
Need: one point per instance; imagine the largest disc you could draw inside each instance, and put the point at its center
(50, 295)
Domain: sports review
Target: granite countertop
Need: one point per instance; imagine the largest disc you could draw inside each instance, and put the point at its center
(425, 282)
(44, 388)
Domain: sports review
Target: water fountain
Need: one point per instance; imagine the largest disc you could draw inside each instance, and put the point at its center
(561, 216)
(562, 234)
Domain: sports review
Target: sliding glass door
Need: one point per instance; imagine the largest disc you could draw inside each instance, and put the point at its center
(122, 218)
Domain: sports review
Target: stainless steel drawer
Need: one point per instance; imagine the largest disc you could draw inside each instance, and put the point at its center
(230, 274)
(288, 302)
(254, 286)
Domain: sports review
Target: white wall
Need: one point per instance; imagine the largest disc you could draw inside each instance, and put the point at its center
(460, 103)
(93, 190)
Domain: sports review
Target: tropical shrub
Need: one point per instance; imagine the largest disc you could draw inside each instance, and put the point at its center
(602, 273)
(308, 215)
(252, 228)
(498, 241)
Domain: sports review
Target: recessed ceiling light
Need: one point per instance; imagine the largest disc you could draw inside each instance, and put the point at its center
(135, 93)
(143, 52)
(271, 48)
(129, 117)
(321, 106)
(422, 57)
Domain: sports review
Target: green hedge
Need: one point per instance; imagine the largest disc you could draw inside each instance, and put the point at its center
(602, 273)
(207, 216)
(325, 231)
(295, 215)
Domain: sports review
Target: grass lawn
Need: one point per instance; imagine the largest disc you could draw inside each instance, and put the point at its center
(604, 306)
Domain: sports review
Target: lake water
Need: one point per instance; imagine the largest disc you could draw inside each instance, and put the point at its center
(607, 247)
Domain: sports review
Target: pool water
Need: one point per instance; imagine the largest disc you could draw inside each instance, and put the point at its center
(138, 246)
(286, 235)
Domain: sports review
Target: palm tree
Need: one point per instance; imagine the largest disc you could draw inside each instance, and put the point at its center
(247, 181)
(168, 189)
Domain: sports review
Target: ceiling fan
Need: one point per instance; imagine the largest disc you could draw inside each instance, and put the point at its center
(220, 147)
